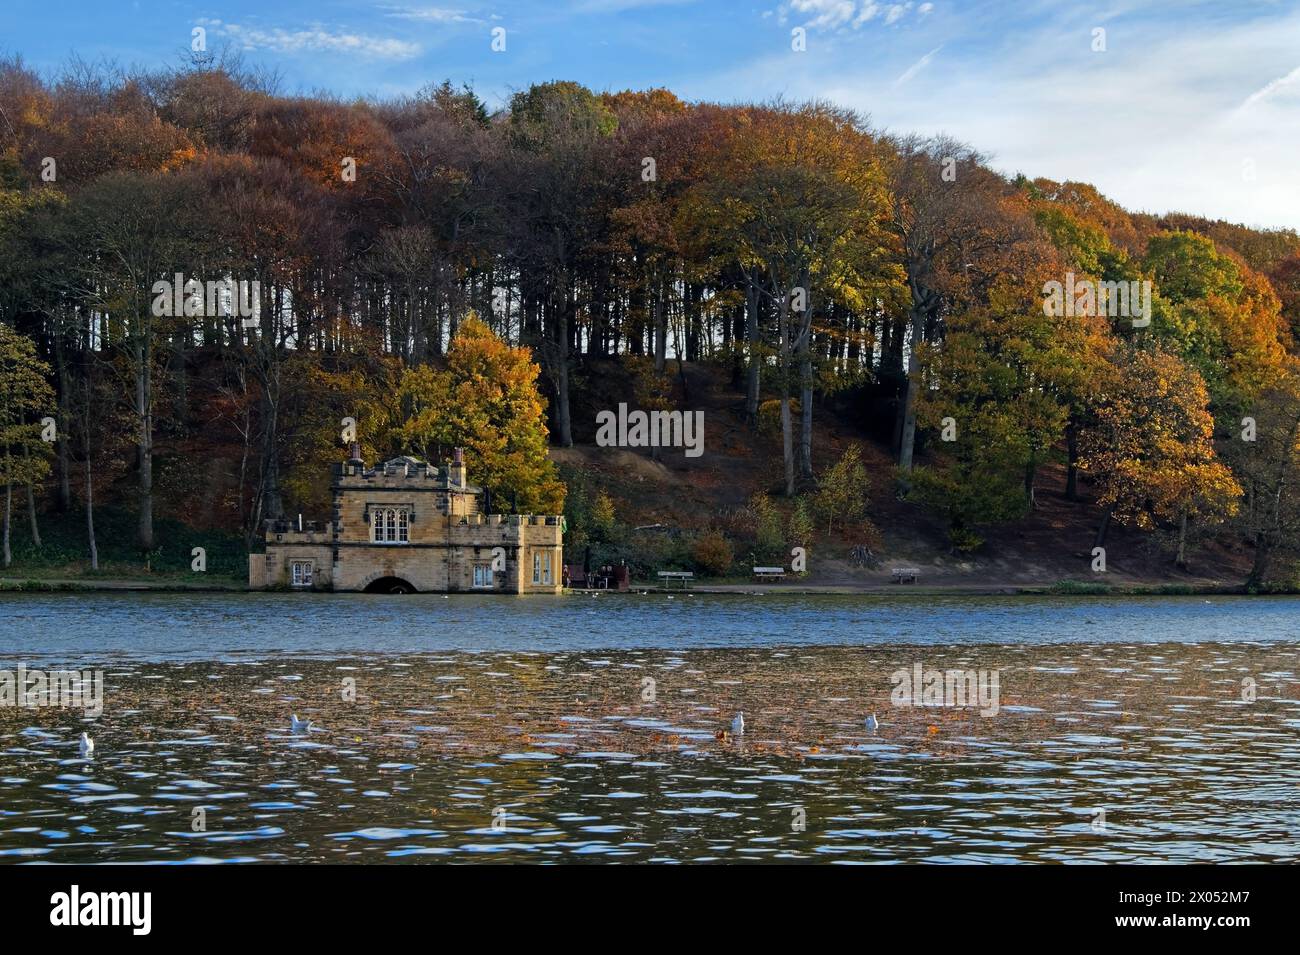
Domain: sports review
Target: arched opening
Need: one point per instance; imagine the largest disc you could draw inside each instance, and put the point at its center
(389, 585)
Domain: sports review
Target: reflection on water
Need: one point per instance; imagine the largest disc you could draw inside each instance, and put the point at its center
(572, 754)
(206, 626)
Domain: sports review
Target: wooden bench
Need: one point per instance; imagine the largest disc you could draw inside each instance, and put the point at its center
(904, 575)
(685, 576)
(769, 573)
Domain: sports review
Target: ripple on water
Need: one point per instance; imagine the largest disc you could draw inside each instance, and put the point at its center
(550, 744)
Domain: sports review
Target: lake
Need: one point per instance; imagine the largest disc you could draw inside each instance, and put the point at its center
(1094, 729)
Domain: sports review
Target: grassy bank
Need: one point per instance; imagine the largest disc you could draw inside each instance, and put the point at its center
(63, 556)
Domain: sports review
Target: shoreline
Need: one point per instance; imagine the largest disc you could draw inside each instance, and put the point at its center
(980, 589)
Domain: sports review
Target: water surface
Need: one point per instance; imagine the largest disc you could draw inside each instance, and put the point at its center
(596, 728)
(206, 626)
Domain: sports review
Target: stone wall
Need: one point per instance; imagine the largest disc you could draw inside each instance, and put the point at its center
(284, 548)
(442, 558)
(445, 536)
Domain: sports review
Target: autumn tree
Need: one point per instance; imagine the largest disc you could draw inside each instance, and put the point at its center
(1219, 315)
(487, 402)
(1151, 453)
(842, 495)
(25, 396)
(1093, 238)
(554, 130)
(130, 231)
(945, 214)
(1265, 458)
(1285, 278)
(800, 205)
(1000, 400)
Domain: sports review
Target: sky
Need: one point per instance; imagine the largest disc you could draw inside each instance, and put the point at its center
(1165, 106)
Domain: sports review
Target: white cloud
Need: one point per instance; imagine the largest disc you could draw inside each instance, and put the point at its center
(865, 13)
(315, 39)
(1191, 114)
(618, 6)
(833, 15)
(430, 15)
(1281, 83)
(917, 67)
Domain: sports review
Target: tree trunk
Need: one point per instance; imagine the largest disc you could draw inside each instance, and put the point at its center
(1072, 460)
(31, 517)
(754, 378)
(805, 410)
(661, 328)
(1105, 526)
(272, 502)
(787, 440)
(562, 414)
(86, 445)
(65, 389)
(733, 332)
(144, 446)
(787, 425)
(636, 309)
(9, 493)
(90, 510)
(907, 439)
(693, 292)
(1263, 558)
(891, 368)
(1181, 559)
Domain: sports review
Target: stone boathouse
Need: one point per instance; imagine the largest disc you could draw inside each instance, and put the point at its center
(405, 526)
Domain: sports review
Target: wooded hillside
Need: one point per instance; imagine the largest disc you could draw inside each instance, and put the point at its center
(862, 318)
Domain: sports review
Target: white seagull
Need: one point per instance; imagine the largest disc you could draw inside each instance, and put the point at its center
(87, 746)
(873, 724)
(738, 725)
(299, 726)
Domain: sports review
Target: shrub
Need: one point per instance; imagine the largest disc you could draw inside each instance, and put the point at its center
(602, 514)
(800, 525)
(843, 493)
(769, 539)
(964, 540)
(712, 554)
(769, 415)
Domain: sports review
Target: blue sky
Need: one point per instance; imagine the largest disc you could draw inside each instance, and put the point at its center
(1191, 105)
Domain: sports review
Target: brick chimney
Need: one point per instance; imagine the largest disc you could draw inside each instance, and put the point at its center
(456, 470)
(355, 464)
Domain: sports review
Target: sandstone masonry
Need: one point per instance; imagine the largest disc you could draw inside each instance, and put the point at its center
(409, 527)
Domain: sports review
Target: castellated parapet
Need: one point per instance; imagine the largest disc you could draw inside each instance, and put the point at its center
(406, 526)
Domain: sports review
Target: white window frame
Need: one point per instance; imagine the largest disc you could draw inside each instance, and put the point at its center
(297, 579)
(541, 567)
(483, 576)
(390, 525)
